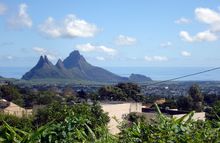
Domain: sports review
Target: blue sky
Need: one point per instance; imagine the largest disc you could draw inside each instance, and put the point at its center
(165, 33)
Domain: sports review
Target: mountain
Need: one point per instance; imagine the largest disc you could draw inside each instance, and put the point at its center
(80, 67)
(43, 69)
(139, 78)
(74, 67)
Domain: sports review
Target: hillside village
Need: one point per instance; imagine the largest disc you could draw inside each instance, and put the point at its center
(118, 108)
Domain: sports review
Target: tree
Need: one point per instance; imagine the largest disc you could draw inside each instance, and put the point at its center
(132, 91)
(57, 112)
(213, 113)
(171, 104)
(53, 112)
(69, 92)
(195, 93)
(111, 93)
(210, 99)
(185, 103)
(197, 97)
(82, 95)
(121, 92)
(24, 123)
(194, 100)
(11, 93)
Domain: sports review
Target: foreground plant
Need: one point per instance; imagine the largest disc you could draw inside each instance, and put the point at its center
(171, 130)
(79, 129)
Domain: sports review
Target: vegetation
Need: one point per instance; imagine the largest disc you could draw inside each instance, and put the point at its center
(11, 93)
(166, 129)
(194, 100)
(80, 129)
(213, 113)
(66, 117)
(120, 92)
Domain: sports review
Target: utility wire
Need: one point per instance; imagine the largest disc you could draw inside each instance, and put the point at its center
(184, 76)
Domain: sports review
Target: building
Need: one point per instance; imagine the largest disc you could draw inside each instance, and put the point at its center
(117, 111)
(150, 113)
(13, 109)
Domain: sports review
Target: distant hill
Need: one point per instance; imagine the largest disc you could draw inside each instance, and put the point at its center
(139, 78)
(43, 69)
(73, 67)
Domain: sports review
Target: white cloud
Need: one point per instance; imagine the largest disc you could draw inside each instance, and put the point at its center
(22, 19)
(86, 47)
(90, 48)
(160, 58)
(49, 28)
(125, 40)
(185, 36)
(51, 57)
(209, 16)
(186, 54)
(199, 37)
(147, 58)
(43, 51)
(155, 58)
(183, 20)
(70, 27)
(206, 16)
(9, 57)
(100, 58)
(110, 51)
(3, 8)
(40, 50)
(133, 58)
(166, 45)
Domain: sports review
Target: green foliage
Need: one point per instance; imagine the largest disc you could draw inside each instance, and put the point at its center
(131, 90)
(195, 93)
(52, 112)
(213, 113)
(11, 93)
(134, 117)
(194, 100)
(81, 123)
(24, 123)
(120, 92)
(185, 103)
(210, 99)
(111, 93)
(171, 104)
(79, 128)
(57, 112)
(170, 130)
(39, 97)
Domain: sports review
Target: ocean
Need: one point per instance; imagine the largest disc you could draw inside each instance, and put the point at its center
(165, 73)
(156, 73)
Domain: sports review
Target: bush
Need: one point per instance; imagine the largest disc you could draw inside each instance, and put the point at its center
(24, 123)
(167, 130)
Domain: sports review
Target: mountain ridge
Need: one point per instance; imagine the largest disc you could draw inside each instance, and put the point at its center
(74, 67)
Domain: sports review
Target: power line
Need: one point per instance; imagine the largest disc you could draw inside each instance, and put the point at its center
(184, 76)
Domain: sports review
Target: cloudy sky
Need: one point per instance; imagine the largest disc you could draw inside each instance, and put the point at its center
(157, 33)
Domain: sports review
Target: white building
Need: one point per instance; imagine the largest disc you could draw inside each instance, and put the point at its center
(117, 111)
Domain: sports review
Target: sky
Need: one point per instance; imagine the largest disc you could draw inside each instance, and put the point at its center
(113, 33)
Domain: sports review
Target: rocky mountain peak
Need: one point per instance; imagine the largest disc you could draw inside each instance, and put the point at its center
(60, 64)
(74, 60)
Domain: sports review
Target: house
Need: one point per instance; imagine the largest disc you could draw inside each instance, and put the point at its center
(117, 111)
(10, 108)
(150, 113)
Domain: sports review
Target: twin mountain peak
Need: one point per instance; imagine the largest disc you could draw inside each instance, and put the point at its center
(76, 67)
